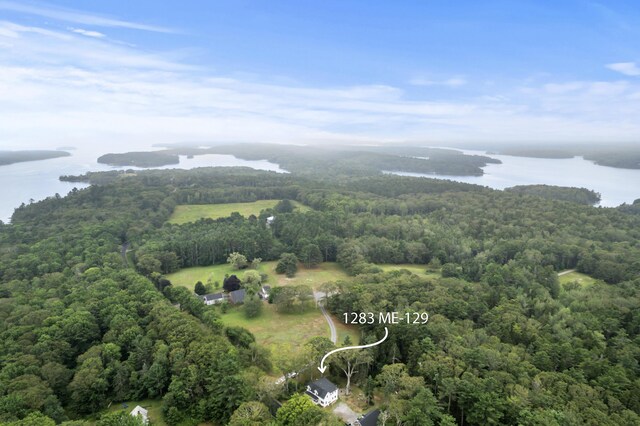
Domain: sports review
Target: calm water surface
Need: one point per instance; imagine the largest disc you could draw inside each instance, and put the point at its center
(616, 186)
(36, 180)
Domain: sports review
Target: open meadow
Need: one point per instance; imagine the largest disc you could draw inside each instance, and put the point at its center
(192, 212)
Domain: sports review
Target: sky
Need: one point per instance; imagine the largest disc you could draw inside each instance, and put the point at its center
(122, 74)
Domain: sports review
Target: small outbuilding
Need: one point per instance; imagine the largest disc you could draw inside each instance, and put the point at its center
(141, 413)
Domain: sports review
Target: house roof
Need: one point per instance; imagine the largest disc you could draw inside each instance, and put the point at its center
(369, 419)
(323, 386)
(139, 410)
(237, 296)
(266, 288)
(212, 296)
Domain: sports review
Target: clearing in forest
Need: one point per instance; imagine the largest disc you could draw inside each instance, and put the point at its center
(185, 213)
(272, 328)
(314, 277)
(582, 279)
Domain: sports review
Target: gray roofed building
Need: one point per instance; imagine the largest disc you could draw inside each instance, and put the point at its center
(369, 419)
(213, 298)
(237, 296)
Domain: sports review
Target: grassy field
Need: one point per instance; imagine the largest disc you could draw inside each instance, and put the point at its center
(153, 405)
(582, 279)
(273, 328)
(192, 212)
(328, 271)
(416, 269)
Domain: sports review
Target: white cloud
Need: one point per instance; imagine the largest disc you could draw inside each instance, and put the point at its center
(69, 15)
(450, 82)
(87, 33)
(67, 88)
(626, 68)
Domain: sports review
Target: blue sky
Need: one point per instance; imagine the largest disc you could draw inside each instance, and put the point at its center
(139, 72)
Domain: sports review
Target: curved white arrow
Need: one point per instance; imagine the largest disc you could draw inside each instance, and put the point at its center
(322, 367)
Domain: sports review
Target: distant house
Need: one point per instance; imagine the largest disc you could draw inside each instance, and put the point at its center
(322, 392)
(141, 413)
(237, 296)
(213, 298)
(264, 292)
(270, 220)
(369, 419)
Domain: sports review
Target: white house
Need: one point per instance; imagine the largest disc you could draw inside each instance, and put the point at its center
(140, 412)
(270, 220)
(322, 392)
(213, 298)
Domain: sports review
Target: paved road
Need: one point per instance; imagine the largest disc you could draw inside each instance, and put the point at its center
(566, 272)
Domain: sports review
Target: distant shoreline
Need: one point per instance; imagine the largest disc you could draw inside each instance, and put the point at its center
(13, 157)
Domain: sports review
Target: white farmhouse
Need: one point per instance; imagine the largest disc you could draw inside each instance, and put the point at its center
(213, 298)
(322, 392)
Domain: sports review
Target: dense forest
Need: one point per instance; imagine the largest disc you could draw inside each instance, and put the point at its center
(139, 159)
(332, 161)
(613, 155)
(88, 319)
(576, 195)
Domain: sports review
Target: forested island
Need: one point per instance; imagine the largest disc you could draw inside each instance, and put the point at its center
(332, 160)
(11, 157)
(140, 159)
(619, 156)
(100, 305)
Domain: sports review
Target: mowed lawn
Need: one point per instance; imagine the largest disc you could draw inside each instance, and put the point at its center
(192, 212)
(325, 272)
(582, 279)
(272, 328)
(154, 406)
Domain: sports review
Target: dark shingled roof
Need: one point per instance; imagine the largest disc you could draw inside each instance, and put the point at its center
(323, 386)
(212, 296)
(370, 419)
(237, 296)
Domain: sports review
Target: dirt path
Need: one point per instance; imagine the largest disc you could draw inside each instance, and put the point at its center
(319, 296)
(566, 272)
(123, 253)
(332, 326)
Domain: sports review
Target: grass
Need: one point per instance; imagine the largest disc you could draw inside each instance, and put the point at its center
(416, 269)
(272, 328)
(153, 405)
(192, 212)
(582, 279)
(325, 272)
